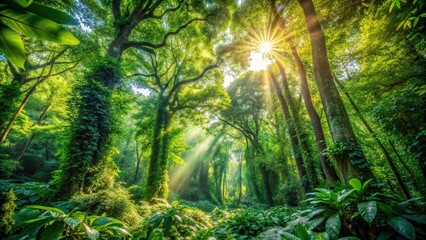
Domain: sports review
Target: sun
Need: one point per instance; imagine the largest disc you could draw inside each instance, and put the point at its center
(263, 49)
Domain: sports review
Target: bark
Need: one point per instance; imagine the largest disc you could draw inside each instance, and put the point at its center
(337, 118)
(328, 169)
(203, 177)
(292, 133)
(30, 139)
(16, 114)
(385, 152)
(303, 138)
(154, 178)
(138, 161)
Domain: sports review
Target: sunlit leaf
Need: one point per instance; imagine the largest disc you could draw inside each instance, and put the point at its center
(33, 25)
(11, 46)
(52, 14)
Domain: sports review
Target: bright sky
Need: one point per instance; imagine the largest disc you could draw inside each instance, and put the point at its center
(258, 61)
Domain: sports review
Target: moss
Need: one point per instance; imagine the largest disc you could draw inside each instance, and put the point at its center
(7, 203)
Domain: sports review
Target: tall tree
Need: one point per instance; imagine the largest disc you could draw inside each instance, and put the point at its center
(351, 161)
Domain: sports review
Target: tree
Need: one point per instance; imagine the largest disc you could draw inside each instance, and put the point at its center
(350, 161)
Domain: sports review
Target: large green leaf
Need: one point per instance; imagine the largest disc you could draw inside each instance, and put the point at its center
(11, 46)
(332, 226)
(368, 210)
(52, 14)
(22, 3)
(33, 25)
(403, 227)
(51, 209)
(356, 184)
(73, 221)
(416, 218)
(52, 232)
(301, 232)
(93, 234)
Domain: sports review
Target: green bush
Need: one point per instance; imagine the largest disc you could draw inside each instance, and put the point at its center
(116, 202)
(203, 205)
(27, 193)
(40, 222)
(355, 211)
(174, 222)
(249, 223)
(7, 206)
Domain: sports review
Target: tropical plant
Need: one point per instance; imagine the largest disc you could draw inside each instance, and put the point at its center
(359, 212)
(175, 222)
(33, 20)
(40, 222)
(250, 222)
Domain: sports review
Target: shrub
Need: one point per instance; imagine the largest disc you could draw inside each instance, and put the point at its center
(116, 202)
(250, 222)
(175, 222)
(40, 222)
(7, 206)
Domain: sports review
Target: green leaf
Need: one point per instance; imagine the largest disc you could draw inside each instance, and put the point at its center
(52, 232)
(156, 235)
(73, 221)
(356, 184)
(423, 15)
(51, 209)
(368, 210)
(167, 225)
(101, 221)
(33, 25)
(392, 6)
(332, 226)
(93, 234)
(416, 218)
(349, 238)
(301, 232)
(22, 3)
(11, 46)
(398, 3)
(289, 236)
(403, 227)
(52, 14)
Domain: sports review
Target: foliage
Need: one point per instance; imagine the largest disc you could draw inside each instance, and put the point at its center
(33, 20)
(40, 222)
(116, 202)
(290, 192)
(7, 203)
(28, 192)
(249, 222)
(94, 122)
(174, 222)
(355, 211)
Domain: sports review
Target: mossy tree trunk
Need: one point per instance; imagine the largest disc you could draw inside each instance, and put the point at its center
(351, 161)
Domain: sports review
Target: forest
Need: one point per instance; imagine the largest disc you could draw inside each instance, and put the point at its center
(213, 119)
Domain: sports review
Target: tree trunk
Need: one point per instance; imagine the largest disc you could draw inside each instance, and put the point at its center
(154, 177)
(328, 169)
(303, 139)
(337, 118)
(29, 140)
(138, 161)
(203, 177)
(388, 158)
(292, 133)
(17, 112)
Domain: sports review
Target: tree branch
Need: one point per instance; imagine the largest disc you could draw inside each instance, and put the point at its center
(147, 45)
